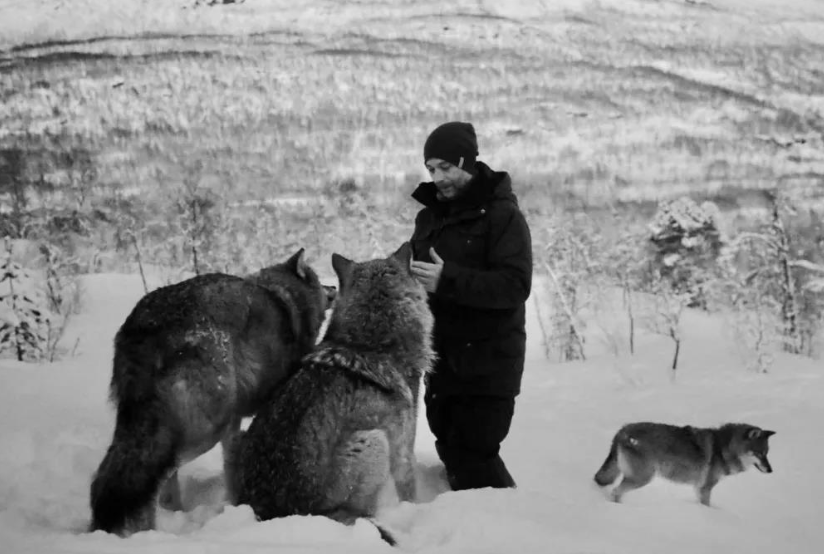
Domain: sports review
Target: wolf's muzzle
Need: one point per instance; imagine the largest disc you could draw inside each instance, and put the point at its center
(762, 464)
(331, 293)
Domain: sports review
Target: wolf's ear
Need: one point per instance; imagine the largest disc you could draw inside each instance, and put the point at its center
(404, 255)
(756, 433)
(298, 263)
(343, 268)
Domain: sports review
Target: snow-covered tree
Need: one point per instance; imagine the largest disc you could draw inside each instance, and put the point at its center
(24, 311)
(686, 239)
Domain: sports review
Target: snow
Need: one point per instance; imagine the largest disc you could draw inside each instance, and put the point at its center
(55, 425)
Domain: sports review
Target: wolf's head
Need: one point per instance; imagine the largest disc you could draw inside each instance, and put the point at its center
(297, 284)
(381, 307)
(750, 445)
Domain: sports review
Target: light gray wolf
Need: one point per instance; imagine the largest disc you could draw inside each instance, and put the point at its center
(697, 456)
(338, 438)
(190, 361)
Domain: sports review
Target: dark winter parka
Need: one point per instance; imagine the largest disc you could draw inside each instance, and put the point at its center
(479, 305)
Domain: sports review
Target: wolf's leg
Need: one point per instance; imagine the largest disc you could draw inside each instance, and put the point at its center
(170, 497)
(704, 495)
(407, 486)
(146, 517)
(360, 472)
(403, 472)
(229, 444)
(634, 478)
(704, 490)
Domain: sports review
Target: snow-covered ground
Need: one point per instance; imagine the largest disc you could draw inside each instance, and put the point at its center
(55, 425)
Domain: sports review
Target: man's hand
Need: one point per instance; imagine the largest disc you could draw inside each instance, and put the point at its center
(428, 274)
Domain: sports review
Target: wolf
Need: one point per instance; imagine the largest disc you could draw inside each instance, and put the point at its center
(190, 361)
(338, 438)
(697, 456)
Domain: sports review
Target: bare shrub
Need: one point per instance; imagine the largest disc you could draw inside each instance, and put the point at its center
(63, 294)
(565, 261)
(663, 314)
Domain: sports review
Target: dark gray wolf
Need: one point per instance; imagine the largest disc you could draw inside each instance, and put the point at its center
(337, 439)
(697, 456)
(190, 361)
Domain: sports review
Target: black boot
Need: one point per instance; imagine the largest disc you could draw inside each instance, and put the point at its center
(479, 473)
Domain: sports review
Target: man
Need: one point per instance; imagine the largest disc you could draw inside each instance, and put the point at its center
(473, 254)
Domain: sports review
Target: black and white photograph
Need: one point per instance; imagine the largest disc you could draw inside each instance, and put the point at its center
(364, 276)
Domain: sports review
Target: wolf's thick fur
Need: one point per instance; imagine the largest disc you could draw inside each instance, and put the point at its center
(697, 456)
(340, 434)
(190, 361)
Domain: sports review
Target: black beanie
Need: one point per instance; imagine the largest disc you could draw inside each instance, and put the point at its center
(453, 142)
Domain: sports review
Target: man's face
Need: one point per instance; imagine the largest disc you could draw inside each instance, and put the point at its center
(450, 179)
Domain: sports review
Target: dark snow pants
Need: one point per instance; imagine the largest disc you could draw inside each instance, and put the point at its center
(468, 434)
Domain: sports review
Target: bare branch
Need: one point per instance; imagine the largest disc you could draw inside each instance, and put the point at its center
(566, 308)
(744, 236)
(805, 264)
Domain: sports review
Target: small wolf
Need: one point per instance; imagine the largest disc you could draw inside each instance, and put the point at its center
(190, 361)
(697, 456)
(340, 434)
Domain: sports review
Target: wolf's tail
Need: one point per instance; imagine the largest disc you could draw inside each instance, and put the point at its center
(125, 486)
(609, 470)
